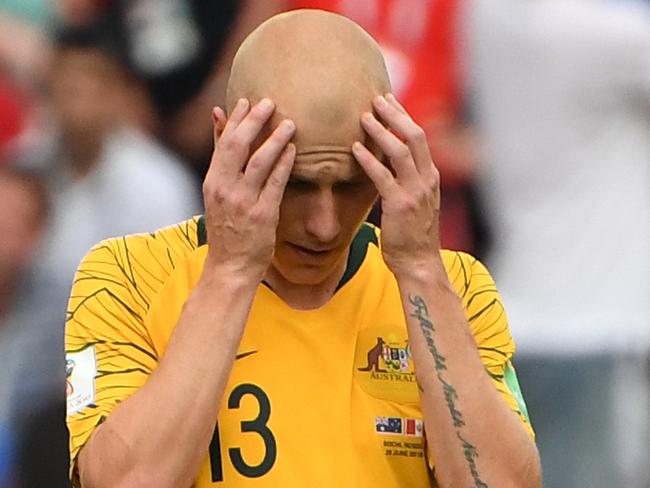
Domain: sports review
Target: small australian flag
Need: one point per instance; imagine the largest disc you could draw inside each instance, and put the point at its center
(388, 425)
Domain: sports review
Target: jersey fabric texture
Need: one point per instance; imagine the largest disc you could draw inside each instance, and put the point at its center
(323, 397)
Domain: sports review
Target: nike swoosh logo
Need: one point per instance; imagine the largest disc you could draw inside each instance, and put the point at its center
(244, 354)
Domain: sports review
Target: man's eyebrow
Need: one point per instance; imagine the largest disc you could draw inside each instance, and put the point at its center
(296, 178)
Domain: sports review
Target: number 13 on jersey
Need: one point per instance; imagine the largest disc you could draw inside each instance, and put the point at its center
(258, 426)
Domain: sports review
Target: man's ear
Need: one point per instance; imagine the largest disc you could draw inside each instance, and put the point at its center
(219, 120)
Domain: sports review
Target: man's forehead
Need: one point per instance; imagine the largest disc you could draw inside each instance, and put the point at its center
(323, 150)
(318, 132)
(326, 163)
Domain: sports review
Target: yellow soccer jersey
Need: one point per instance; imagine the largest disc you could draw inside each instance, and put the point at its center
(323, 397)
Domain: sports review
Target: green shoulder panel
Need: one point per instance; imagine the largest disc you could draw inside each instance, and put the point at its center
(510, 378)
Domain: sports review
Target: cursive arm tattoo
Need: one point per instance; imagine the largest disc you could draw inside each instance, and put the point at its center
(421, 313)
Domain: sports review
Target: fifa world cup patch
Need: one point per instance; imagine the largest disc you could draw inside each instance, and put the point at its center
(399, 426)
(80, 371)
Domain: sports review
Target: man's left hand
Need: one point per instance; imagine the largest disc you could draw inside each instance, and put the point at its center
(410, 193)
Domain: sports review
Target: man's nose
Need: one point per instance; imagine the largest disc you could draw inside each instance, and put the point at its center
(322, 219)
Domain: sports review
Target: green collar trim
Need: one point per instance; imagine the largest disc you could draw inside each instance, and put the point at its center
(358, 248)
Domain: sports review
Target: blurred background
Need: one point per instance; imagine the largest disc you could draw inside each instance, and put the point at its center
(538, 117)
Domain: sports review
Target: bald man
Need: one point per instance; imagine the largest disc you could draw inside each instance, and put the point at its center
(279, 340)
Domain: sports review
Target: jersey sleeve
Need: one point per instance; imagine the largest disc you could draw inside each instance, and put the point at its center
(489, 324)
(109, 353)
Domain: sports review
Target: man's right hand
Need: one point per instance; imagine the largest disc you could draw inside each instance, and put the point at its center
(242, 198)
(242, 192)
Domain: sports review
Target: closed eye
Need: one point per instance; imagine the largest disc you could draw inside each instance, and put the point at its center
(298, 185)
(346, 186)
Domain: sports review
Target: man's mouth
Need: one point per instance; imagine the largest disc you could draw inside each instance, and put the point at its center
(313, 252)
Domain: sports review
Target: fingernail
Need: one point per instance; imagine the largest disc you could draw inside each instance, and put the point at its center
(367, 117)
(381, 101)
(391, 97)
(266, 104)
(288, 126)
(241, 102)
(356, 146)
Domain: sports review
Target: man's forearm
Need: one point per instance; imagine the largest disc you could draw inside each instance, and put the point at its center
(159, 436)
(475, 439)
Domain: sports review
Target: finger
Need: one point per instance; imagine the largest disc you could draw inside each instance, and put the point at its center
(379, 174)
(252, 124)
(235, 142)
(273, 190)
(237, 115)
(398, 119)
(399, 153)
(262, 162)
(219, 121)
(390, 98)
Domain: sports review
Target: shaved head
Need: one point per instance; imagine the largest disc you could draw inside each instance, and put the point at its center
(321, 69)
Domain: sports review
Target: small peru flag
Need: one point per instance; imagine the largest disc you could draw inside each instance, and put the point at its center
(413, 427)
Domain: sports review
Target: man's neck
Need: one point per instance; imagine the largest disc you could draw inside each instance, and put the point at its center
(306, 297)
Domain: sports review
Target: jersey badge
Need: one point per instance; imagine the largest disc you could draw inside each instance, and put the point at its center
(80, 371)
(384, 366)
(388, 358)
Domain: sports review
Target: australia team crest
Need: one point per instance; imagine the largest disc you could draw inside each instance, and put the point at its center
(384, 365)
(388, 358)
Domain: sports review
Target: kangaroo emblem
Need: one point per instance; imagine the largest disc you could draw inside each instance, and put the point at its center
(373, 357)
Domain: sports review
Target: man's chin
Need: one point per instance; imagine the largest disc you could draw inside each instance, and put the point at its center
(312, 273)
(303, 275)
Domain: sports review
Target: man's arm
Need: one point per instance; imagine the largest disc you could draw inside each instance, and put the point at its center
(150, 440)
(474, 437)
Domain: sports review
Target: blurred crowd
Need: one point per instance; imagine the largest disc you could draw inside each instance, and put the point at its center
(537, 114)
